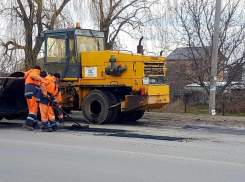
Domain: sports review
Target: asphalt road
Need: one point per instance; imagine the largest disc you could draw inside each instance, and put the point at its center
(122, 153)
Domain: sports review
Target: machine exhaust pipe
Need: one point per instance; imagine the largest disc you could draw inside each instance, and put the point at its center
(140, 47)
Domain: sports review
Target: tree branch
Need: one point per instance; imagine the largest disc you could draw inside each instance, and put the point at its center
(56, 14)
(14, 44)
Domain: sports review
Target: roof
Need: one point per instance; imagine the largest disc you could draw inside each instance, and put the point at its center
(187, 53)
(77, 31)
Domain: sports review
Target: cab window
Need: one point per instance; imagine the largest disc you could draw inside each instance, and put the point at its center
(72, 50)
(56, 49)
(85, 44)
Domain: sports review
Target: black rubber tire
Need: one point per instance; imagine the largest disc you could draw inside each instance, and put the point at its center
(113, 102)
(122, 117)
(118, 117)
(139, 115)
(96, 107)
(132, 116)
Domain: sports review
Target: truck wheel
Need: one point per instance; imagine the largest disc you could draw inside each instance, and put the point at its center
(139, 114)
(134, 116)
(130, 116)
(124, 117)
(96, 107)
(115, 109)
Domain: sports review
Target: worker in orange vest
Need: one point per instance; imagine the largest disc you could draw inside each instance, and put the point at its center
(46, 95)
(59, 99)
(32, 83)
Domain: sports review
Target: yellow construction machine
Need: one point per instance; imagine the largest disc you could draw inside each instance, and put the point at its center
(108, 86)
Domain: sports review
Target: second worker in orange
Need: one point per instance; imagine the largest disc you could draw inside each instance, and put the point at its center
(48, 91)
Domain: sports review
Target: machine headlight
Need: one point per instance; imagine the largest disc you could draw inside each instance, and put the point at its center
(146, 80)
(152, 80)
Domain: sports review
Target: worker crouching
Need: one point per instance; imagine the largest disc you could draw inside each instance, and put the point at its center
(46, 95)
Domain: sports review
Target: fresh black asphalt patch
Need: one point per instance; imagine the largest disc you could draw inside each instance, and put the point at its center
(105, 132)
(129, 134)
(215, 129)
(132, 134)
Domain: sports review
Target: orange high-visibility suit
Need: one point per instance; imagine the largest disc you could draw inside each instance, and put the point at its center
(58, 111)
(32, 82)
(48, 90)
(59, 100)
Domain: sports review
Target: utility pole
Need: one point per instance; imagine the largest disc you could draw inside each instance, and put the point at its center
(213, 78)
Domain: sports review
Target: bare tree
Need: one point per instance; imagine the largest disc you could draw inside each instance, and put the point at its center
(114, 16)
(192, 24)
(25, 20)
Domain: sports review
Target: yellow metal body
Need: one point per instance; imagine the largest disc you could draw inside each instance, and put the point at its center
(157, 97)
(93, 66)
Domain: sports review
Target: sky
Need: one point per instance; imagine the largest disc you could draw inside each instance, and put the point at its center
(126, 40)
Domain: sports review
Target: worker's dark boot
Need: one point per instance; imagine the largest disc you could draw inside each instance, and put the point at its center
(28, 127)
(45, 127)
(46, 130)
(28, 124)
(62, 123)
(54, 125)
(35, 125)
(61, 120)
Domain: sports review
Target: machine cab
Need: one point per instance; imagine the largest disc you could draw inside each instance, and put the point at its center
(63, 49)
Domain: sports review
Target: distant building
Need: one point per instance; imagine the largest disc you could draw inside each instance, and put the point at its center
(190, 65)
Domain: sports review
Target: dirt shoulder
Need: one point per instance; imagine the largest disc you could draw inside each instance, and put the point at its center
(183, 119)
(173, 119)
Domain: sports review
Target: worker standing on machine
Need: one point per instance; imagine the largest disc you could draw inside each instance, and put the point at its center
(46, 95)
(59, 99)
(32, 83)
